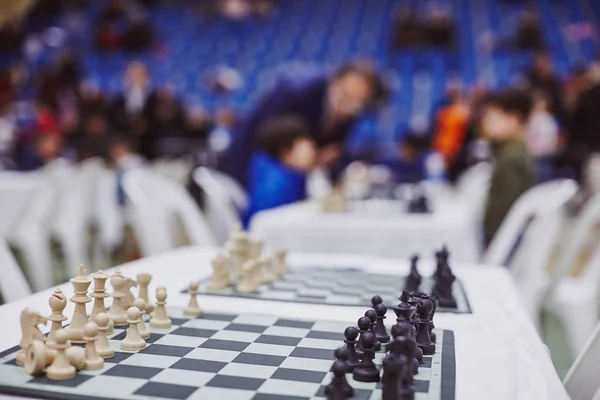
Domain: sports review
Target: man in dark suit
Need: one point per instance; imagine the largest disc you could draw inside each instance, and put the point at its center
(328, 104)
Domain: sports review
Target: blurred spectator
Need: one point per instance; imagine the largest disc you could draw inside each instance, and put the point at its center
(11, 35)
(541, 135)
(579, 81)
(107, 37)
(529, 34)
(198, 124)
(93, 139)
(167, 115)
(440, 30)
(90, 100)
(46, 119)
(329, 105)
(278, 168)
(409, 165)
(543, 78)
(114, 10)
(138, 35)
(235, 9)
(407, 31)
(451, 125)
(44, 149)
(121, 154)
(504, 120)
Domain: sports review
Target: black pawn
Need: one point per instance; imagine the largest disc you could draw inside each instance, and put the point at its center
(367, 371)
(364, 324)
(406, 330)
(423, 340)
(407, 389)
(380, 332)
(392, 369)
(376, 300)
(351, 333)
(372, 315)
(339, 388)
(413, 280)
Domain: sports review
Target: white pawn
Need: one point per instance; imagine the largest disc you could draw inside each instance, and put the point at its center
(143, 280)
(133, 340)
(92, 360)
(160, 320)
(220, 277)
(193, 309)
(103, 347)
(250, 278)
(144, 332)
(61, 368)
(57, 302)
(117, 313)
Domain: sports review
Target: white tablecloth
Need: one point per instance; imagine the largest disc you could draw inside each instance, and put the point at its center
(498, 353)
(303, 227)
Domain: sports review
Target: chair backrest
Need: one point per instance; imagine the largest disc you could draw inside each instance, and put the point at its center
(16, 193)
(152, 202)
(223, 201)
(537, 202)
(581, 381)
(475, 179)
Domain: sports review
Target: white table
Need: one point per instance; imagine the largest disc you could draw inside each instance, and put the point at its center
(498, 353)
(303, 227)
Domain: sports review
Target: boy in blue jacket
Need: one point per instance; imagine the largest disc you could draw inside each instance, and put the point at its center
(277, 170)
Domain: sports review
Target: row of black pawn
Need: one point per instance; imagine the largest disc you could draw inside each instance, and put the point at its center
(411, 337)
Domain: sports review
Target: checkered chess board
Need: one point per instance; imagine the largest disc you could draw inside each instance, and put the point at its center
(340, 287)
(227, 357)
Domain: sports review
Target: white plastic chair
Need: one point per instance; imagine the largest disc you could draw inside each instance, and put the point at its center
(13, 285)
(153, 203)
(581, 381)
(107, 216)
(534, 203)
(224, 198)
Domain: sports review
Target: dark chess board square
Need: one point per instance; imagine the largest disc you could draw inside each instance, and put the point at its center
(191, 364)
(325, 335)
(132, 371)
(299, 375)
(235, 382)
(219, 317)
(359, 394)
(166, 390)
(305, 352)
(13, 349)
(179, 321)
(164, 350)
(245, 328)
(280, 340)
(224, 345)
(259, 359)
(11, 362)
(119, 356)
(195, 332)
(290, 323)
(266, 396)
(74, 382)
(421, 386)
(426, 362)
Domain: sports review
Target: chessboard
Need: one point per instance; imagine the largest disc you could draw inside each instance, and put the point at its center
(227, 356)
(340, 287)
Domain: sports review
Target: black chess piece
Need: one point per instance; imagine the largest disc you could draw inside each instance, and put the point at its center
(404, 329)
(392, 369)
(423, 340)
(404, 312)
(367, 371)
(339, 388)
(350, 334)
(380, 332)
(414, 300)
(376, 300)
(431, 325)
(404, 297)
(364, 325)
(372, 315)
(407, 389)
(442, 288)
(413, 280)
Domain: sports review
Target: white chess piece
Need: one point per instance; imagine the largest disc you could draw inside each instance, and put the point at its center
(117, 313)
(30, 319)
(220, 277)
(80, 284)
(92, 360)
(99, 294)
(144, 332)
(238, 249)
(280, 262)
(193, 309)
(57, 302)
(39, 356)
(127, 301)
(254, 249)
(143, 280)
(61, 368)
(103, 346)
(250, 279)
(268, 274)
(133, 340)
(160, 320)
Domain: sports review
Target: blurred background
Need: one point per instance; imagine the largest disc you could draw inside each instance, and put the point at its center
(184, 90)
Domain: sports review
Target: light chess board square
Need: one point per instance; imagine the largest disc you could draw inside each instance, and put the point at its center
(339, 287)
(280, 358)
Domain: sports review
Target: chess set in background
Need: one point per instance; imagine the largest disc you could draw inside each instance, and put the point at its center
(189, 354)
(241, 270)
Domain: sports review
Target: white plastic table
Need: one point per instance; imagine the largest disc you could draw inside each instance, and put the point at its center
(498, 353)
